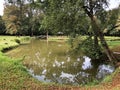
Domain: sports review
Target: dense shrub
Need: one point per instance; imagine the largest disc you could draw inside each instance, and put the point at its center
(17, 41)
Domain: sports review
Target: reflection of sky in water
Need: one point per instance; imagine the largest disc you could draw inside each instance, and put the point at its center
(68, 59)
(58, 64)
(55, 64)
(83, 74)
(104, 70)
(39, 77)
(67, 76)
(86, 63)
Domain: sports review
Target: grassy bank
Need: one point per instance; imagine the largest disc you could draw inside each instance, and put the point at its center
(11, 41)
(14, 76)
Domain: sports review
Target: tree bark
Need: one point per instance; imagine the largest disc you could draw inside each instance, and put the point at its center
(96, 45)
(99, 33)
(96, 40)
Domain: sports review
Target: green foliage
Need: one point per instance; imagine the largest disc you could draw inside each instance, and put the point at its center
(22, 18)
(2, 26)
(89, 49)
(26, 38)
(93, 83)
(70, 18)
(64, 16)
(112, 22)
(17, 41)
(41, 16)
(86, 45)
(12, 19)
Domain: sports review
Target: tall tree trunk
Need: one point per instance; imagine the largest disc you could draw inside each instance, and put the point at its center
(21, 15)
(96, 45)
(99, 33)
(32, 31)
(47, 35)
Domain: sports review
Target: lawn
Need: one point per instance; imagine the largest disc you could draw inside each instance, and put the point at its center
(113, 41)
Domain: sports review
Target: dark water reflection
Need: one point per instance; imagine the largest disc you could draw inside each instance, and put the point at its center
(51, 62)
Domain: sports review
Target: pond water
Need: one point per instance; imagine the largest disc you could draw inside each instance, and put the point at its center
(52, 62)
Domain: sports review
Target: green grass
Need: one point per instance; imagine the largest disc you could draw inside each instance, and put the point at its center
(10, 41)
(58, 38)
(113, 41)
(14, 76)
(109, 78)
(112, 38)
(112, 44)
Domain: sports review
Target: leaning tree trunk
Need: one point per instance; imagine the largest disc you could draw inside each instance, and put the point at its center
(96, 45)
(99, 33)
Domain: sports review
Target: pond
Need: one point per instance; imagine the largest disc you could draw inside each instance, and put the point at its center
(52, 62)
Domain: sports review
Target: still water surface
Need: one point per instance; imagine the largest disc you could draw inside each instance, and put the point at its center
(52, 62)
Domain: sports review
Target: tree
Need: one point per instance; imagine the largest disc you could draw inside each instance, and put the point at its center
(11, 18)
(22, 17)
(62, 16)
(34, 16)
(2, 26)
(92, 8)
(113, 22)
(71, 15)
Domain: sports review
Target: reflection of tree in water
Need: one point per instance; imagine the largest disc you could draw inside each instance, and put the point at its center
(54, 64)
(69, 70)
(66, 70)
(102, 69)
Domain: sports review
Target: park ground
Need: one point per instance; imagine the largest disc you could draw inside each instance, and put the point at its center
(14, 76)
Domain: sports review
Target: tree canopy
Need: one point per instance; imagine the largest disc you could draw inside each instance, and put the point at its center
(79, 16)
(22, 17)
(71, 17)
(2, 26)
